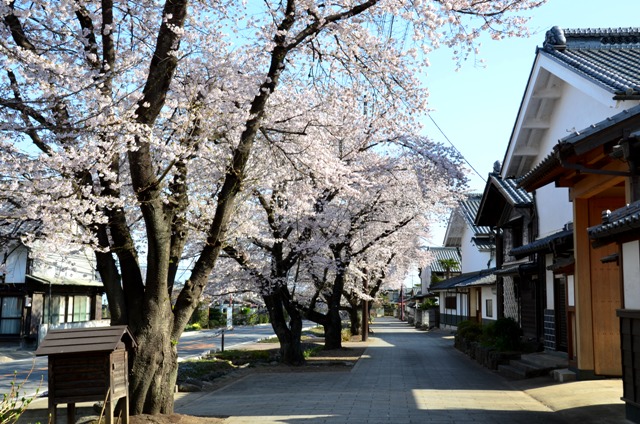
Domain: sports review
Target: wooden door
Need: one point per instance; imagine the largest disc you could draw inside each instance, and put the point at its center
(606, 297)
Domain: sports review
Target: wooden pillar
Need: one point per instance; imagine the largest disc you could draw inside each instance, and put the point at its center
(583, 304)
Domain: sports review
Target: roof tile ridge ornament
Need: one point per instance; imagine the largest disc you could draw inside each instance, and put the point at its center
(555, 39)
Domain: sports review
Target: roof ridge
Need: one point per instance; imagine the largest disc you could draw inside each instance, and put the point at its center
(560, 39)
(590, 32)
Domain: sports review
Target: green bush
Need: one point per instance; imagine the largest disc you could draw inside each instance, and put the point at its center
(504, 334)
(200, 316)
(469, 331)
(217, 318)
(429, 303)
(193, 327)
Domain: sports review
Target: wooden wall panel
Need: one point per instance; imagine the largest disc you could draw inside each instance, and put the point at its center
(606, 296)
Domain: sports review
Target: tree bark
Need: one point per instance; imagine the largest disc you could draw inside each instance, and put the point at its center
(333, 332)
(354, 320)
(289, 336)
(154, 370)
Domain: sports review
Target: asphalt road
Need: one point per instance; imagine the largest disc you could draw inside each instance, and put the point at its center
(30, 375)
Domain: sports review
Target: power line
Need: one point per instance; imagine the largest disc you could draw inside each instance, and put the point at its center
(455, 148)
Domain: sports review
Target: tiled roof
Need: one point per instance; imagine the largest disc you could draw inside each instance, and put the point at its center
(567, 146)
(510, 190)
(444, 254)
(608, 56)
(469, 209)
(545, 244)
(526, 268)
(476, 278)
(614, 223)
(560, 264)
(483, 243)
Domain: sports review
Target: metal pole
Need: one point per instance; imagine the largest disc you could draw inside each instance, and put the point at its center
(222, 341)
(365, 320)
(365, 313)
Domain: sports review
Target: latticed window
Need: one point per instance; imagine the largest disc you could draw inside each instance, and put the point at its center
(510, 299)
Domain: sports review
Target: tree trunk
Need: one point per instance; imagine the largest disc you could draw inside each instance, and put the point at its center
(333, 324)
(354, 320)
(288, 335)
(333, 334)
(154, 369)
(291, 352)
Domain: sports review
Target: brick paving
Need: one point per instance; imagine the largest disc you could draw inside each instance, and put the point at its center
(407, 376)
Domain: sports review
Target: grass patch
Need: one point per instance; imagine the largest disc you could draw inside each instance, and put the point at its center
(311, 351)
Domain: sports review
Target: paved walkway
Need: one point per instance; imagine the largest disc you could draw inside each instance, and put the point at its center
(408, 376)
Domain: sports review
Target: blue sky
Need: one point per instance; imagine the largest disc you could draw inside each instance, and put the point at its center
(476, 106)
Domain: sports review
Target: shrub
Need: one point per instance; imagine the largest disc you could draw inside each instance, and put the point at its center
(503, 334)
(429, 303)
(217, 318)
(193, 327)
(200, 316)
(469, 331)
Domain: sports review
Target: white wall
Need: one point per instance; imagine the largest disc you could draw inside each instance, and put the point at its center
(554, 209)
(489, 292)
(631, 274)
(472, 258)
(549, 282)
(425, 279)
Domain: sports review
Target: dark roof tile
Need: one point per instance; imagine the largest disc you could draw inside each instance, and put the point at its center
(615, 223)
(469, 209)
(476, 278)
(444, 254)
(510, 190)
(545, 244)
(610, 57)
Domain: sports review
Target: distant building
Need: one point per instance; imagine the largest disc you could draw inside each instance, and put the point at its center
(39, 287)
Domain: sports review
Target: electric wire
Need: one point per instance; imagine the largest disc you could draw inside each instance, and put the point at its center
(455, 148)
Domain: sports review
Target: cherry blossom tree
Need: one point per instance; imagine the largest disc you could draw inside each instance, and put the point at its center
(136, 121)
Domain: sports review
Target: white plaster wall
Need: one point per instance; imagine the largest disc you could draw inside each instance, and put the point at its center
(554, 209)
(549, 283)
(463, 304)
(571, 290)
(631, 272)
(489, 292)
(472, 258)
(425, 279)
(552, 203)
(579, 107)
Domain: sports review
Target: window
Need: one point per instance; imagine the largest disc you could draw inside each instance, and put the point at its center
(81, 308)
(489, 308)
(10, 315)
(450, 302)
(67, 309)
